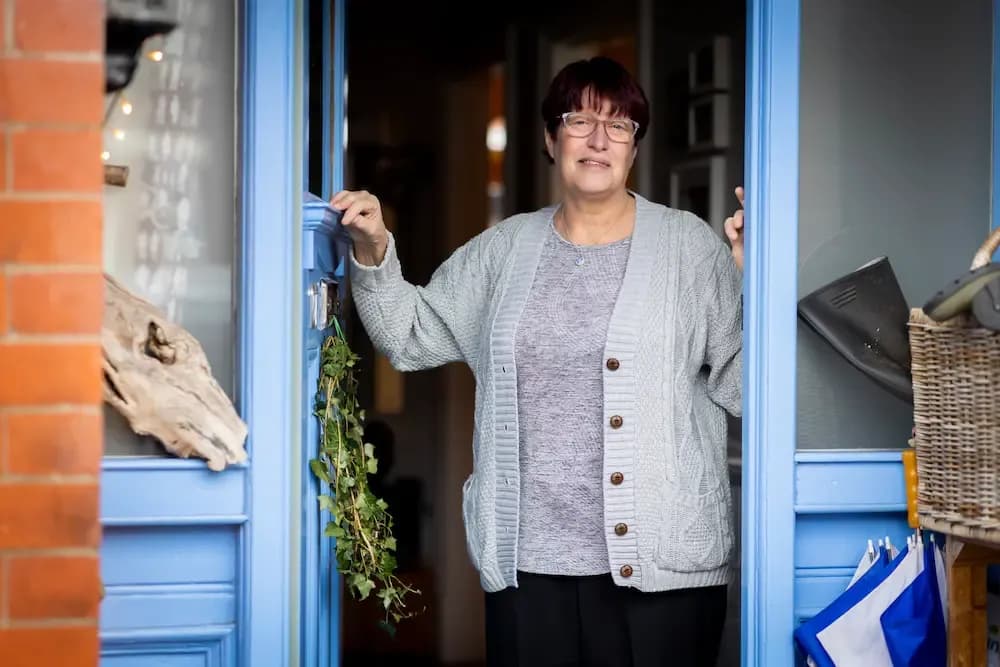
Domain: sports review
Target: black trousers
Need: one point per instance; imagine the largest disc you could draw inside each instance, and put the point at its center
(589, 621)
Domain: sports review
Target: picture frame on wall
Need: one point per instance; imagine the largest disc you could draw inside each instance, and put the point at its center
(708, 122)
(699, 185)
(709, 67)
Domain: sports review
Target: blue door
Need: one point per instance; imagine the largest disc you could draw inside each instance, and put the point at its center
(848, 159)
(200, 567)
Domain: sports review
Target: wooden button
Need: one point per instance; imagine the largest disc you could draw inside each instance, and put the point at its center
(613, 364)
(616, 421)
(626, 571)
(617, 478)
(621, 529)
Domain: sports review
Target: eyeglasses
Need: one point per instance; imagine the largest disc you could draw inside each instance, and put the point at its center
(620, 130)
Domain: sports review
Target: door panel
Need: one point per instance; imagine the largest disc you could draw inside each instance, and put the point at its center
(894, 161)
(197, 564)
(171, 528)
(849, 158)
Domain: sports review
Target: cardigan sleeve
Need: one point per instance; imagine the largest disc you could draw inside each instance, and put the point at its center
(419, 327)
(723, 308)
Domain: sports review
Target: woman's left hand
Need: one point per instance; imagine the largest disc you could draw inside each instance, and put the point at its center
(734, 231)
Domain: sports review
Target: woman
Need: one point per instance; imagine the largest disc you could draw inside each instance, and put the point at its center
(605, 336)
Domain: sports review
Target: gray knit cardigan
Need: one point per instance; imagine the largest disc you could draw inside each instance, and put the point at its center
(673, 368)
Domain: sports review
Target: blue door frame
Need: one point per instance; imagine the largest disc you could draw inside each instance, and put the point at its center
(772, 192)
(270, 361)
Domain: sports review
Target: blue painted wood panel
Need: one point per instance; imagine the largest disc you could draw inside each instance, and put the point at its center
(853, 481)
(843, 498)
(150, 555)
(174, 647)
(145, 491)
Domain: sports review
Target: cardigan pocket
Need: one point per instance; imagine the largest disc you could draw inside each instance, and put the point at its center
(469, 519)
(695, 534)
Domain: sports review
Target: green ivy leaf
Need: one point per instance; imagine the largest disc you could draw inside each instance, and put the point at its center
(319, 470)
(360, 522)
(387, 594)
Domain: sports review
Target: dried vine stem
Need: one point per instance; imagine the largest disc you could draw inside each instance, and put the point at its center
(359, 522)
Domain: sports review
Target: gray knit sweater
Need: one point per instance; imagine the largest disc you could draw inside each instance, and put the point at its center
(559, 353)
(673, 367)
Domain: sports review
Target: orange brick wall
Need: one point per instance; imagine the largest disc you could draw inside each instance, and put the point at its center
(51, 296)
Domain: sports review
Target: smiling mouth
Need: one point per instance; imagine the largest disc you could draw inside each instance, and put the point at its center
(594, 163)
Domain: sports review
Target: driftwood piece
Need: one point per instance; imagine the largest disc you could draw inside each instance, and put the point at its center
(157, 376)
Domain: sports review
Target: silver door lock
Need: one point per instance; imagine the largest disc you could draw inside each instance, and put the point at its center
(324, 302)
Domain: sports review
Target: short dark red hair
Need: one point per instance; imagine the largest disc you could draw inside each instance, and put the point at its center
(600, 79)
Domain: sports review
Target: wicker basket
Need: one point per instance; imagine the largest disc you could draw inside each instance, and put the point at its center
(956, 404)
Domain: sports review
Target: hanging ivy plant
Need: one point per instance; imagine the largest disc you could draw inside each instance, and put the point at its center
(359, 522)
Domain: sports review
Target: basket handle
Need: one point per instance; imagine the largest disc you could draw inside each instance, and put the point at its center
(985, 252)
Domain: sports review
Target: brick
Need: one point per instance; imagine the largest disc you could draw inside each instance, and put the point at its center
(35, 374)
(45, 232)
(62, 443)
(39, 516)
(56, 302)
(54, 587)
(59, 25)
(3, 588)
(3, 304)
(48, 91)
(47, 160)
(3, 471)
(75, 646)
(4, 144)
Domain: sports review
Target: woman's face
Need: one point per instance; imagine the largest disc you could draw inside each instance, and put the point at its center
(592, 166)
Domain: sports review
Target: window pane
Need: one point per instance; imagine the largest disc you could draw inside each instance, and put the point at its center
(170, 234)
(895, 161)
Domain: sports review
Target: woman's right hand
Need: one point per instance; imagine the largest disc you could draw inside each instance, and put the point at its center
(362, 218)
